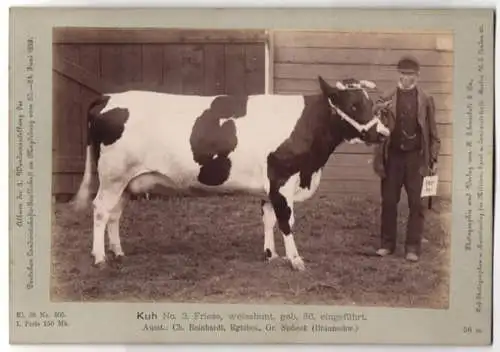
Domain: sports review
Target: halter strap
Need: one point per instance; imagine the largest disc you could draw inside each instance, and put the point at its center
(361, 128)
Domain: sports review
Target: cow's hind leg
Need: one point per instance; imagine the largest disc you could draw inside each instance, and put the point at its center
(108, 196)
(282, 201)
(114, 227)
(269, 220)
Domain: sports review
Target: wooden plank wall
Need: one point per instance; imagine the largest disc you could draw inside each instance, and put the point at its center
(299, 57)
(176, 61)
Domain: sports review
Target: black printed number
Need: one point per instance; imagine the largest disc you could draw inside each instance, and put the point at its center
(470, 330)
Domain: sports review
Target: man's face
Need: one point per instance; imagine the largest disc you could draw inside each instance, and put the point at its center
(408, 79)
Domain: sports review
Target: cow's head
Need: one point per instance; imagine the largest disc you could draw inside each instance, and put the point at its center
(349, 101)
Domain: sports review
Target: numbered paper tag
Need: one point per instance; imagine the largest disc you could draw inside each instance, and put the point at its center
(429, 186)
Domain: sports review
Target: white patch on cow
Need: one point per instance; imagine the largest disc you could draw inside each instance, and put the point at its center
(292, 253)
(269, 221)
(302, 194)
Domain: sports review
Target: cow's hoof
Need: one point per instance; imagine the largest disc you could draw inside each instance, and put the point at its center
(117, 260)
(297, 264)
(116, 251)
(100, 265)
(270, 255)
(116, 256)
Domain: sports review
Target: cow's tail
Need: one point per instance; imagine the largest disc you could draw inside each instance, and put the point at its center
(82, 198)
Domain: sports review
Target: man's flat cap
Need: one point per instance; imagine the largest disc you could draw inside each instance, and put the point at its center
(408, 64)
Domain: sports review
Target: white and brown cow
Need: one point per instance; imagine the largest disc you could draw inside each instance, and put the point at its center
(274, 146)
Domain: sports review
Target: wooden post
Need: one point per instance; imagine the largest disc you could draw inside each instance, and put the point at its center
(269, 67)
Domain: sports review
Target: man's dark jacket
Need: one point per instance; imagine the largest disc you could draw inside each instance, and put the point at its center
(431, 143)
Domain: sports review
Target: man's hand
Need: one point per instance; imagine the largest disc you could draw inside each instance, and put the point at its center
(381, 105)
(434, 168)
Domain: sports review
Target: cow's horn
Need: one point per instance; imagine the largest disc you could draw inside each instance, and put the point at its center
(368, 84)
(340, 85)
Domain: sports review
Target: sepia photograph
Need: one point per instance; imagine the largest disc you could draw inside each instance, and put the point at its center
(252, 166)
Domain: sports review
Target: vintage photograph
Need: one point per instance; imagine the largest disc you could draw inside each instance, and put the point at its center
(256, 166)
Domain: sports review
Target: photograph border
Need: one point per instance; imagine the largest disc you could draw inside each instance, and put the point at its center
(420, 326)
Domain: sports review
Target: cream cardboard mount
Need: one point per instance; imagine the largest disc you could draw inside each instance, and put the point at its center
(234, 99)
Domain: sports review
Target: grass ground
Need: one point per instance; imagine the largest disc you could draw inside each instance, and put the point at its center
(211, 250)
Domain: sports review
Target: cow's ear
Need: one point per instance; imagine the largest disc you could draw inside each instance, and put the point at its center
(327, 89)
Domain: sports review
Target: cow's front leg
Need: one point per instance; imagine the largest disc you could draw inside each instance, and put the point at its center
(269, 220)
(283, 208)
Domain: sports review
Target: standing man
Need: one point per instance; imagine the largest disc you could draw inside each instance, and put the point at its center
(406, 157)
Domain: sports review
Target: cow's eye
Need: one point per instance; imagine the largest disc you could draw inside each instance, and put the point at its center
(354, 108)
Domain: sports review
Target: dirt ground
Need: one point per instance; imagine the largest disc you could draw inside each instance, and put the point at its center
(204, 249)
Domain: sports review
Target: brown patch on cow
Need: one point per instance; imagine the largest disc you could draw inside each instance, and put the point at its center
(212, 142)
(105, 128)
(309, 146)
